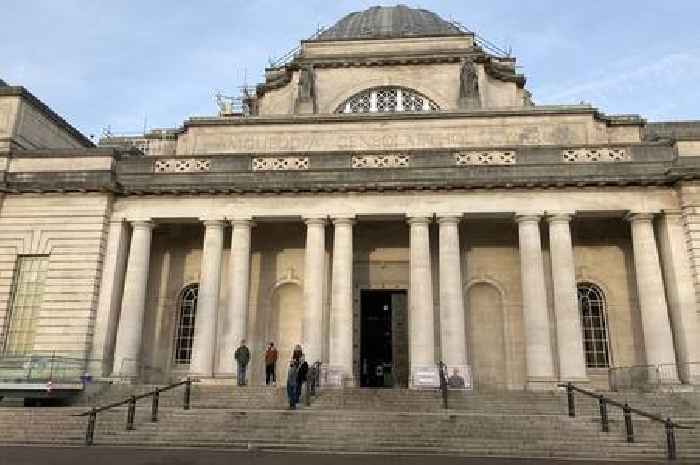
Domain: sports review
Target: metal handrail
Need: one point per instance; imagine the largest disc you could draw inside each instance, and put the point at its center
(443, 384)
(131, 411)
(313, 382)
(669, 426)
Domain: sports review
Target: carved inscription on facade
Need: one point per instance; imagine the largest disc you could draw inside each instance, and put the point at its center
(588, 155)
(485, 158)
(380, 161)
(185, 165)
(280, 163)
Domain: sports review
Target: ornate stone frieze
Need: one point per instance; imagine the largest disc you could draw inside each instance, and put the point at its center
(177, 165)
(380, 161)
(280, 163)
(588, 155)
(497, 157)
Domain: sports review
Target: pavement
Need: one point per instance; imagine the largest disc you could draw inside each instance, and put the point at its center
(31, 455)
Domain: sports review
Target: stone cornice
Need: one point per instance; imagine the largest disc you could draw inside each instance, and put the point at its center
(19, 91)
(548, 110)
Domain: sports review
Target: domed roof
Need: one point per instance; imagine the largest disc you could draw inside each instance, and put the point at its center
(391, 21)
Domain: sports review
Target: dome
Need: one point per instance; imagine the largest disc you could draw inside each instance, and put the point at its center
(392, 21)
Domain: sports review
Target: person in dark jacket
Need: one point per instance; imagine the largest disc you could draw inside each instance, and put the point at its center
(297, 354)
(271, 355)
(301, 376)
(292, 377)
(242, 356)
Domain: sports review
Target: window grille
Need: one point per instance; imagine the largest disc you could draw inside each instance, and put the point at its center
(28, 293)
(387, 100)
(591, 304)
(184, 335)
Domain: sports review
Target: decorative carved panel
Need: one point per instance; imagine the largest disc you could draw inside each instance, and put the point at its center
(280, 163)
(380, 161)
(485, 158)
(177, 165)
(589, 155)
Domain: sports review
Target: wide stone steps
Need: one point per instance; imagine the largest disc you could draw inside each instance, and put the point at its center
(363, 420)
(354, 431)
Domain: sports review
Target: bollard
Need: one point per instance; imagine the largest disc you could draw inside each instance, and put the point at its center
(154, 405)
(188, 393)
(570, 399)
(670, 440)
(627, 410)
(131, 413)
(90, 433)
(603, 414)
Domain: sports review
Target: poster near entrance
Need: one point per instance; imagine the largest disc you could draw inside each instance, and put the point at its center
(383, 339)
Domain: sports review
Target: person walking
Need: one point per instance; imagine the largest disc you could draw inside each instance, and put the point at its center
(292, 376)
(242, 356)
(301, 376)
(271, 355)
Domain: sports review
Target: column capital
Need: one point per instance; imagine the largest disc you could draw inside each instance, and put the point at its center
(640, 217)
(528, 217)
(142, 224)
(320, 220)
(453, 218)
(241, 221)
(343, 219)
(213, 223)
(672, 212)
(559, 217)
(419, 219)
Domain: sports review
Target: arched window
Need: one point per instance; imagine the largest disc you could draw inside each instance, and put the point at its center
(184, 334)
(387, 100)
(591, 304)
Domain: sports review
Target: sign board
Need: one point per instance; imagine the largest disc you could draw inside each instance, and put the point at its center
(425, 377)
(331, 376)
(459, 377)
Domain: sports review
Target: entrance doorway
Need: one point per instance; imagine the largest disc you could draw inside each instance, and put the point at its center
(383, 338)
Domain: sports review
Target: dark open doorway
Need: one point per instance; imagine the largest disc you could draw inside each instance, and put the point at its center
(384, 338)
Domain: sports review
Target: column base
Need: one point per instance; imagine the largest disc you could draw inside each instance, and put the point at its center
(576, 381)
(541, 384)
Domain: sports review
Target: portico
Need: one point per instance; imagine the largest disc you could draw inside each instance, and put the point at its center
(323, 264)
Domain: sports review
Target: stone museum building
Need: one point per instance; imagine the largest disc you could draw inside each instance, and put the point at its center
(390, 197)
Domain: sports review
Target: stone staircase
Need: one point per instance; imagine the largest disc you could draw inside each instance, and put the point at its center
(363, 420)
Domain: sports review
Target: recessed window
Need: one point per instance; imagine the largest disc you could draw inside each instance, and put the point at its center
(184, 335)
(28, 293)
(591, 304)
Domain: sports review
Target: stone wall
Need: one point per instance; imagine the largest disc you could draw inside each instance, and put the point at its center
(71, 230)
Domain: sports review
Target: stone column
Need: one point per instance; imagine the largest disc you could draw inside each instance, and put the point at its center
(658, 342)
(453, 339)
(127, 352)
(235, 321)
(540, 371)
(681, 295)
(421, 339)
(202, 363)
(341, 347)
(314, 271)
(572, 364)
(111, 287)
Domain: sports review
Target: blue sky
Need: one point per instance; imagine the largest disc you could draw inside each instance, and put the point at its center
(120, 63)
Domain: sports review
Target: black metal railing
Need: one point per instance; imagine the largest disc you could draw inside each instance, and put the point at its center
(131, 408)
(443, 384)
(627, 411)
